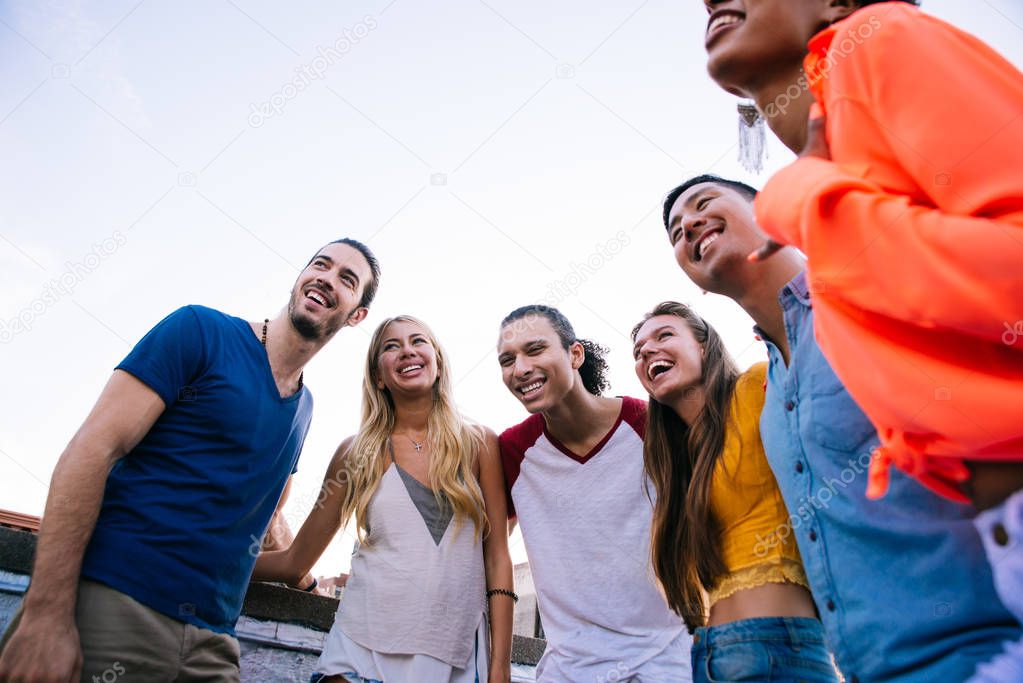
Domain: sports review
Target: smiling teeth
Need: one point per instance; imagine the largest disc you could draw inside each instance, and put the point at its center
(707, 242)
(723, 21)
(317, 297)
(410, 369)
(658, 364)
(530, 388)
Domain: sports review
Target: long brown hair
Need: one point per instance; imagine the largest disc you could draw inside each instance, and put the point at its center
(679, 459)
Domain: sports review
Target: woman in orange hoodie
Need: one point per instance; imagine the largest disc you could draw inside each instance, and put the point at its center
(908, 202)
(907, 199)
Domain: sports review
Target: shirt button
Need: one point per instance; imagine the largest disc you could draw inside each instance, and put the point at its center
(790, 406)
(1000, 534)
(813, 535)
(799, 467)
(831, 605)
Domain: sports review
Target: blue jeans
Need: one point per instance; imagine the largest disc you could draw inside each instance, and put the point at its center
(764, 649)
(350, 676)
(1001, 530)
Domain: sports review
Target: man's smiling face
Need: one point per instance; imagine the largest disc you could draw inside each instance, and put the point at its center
(712, 230)
(328, 291)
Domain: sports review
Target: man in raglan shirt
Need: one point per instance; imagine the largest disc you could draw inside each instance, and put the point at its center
(574, 472)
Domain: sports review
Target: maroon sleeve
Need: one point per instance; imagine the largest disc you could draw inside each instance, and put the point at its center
(514, 442)
(634, 413)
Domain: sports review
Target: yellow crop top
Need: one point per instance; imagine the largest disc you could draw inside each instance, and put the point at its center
(758, 545)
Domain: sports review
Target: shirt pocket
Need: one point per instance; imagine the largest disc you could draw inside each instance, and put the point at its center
(836, 421)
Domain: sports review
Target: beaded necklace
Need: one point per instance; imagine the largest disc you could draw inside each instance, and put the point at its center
(262, 340)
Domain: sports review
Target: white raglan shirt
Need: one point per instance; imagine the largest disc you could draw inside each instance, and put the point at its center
(586, 526)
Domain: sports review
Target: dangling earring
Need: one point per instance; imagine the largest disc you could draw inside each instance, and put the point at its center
(752, 138)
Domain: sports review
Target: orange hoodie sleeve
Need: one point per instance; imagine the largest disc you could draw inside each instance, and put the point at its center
(924, 195)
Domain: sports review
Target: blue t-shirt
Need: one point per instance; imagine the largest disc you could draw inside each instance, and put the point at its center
(184, 512)
(902, 583)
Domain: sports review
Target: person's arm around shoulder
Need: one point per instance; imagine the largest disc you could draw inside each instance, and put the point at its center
(497, 560)
(45, 647)
(319, 528)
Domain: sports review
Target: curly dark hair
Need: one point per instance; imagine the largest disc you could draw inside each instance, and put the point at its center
(594, 368)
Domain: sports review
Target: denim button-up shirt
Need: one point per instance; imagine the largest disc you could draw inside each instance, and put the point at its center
(902, 584)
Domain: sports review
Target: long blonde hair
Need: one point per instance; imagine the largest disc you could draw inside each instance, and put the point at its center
(455, 444)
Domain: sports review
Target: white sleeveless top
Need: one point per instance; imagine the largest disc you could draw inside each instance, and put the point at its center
(406, 593)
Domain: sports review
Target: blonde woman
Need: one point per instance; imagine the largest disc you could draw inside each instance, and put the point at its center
(426, 489)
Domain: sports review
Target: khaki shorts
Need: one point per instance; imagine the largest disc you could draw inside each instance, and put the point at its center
(123, 641)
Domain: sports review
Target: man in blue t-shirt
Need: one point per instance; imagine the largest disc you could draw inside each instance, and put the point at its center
(901, 584)
(145, 548)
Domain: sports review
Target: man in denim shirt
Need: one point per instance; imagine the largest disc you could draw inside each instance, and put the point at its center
(901, 584)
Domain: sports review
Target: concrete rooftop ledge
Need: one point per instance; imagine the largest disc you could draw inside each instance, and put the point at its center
(17, 548)
(274, 602)
(264, 602)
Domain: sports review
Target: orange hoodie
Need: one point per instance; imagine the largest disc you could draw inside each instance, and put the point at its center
(914, 237)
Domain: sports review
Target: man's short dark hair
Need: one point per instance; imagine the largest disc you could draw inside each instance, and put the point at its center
(369, 290)
(745, 190)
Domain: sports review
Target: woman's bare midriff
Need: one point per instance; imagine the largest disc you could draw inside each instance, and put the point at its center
(992, 482)
(769, 600)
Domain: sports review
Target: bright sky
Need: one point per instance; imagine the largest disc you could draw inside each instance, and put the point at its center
(492, 153)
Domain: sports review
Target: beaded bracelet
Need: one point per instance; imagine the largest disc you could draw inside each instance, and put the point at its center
(502, 591)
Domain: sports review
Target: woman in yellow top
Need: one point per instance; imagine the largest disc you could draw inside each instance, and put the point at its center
(721, 545)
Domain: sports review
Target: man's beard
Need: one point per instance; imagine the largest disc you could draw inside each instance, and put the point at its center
(311, 330)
